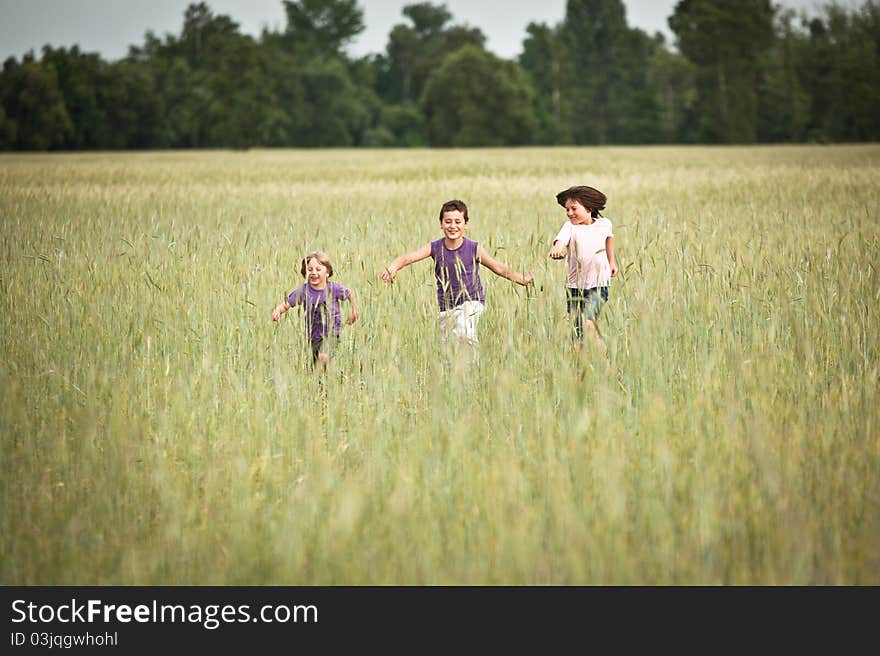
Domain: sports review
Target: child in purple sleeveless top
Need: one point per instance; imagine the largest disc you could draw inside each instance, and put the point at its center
(319, 298)
(457, 261)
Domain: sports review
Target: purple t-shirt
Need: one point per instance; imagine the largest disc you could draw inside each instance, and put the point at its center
(314, 301)
(458, 274)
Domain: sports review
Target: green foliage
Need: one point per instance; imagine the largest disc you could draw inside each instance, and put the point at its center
(783, 104)
(33, 106)
(544, 58)
(743, 71)
(477, 99)
(415, 50)
(593, 35)
(725, 41)
(8, 130)
(672, 75)
(332, 116)
(320, 27)
(80, 77)
(593, 77)
(840, 69)
(405, 123)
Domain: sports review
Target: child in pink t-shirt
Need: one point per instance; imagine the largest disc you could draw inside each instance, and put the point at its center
(588, 239)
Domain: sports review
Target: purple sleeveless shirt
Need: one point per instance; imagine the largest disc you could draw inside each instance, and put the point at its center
(458, 274)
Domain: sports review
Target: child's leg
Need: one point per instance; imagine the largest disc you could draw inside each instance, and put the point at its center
(458, 327)
(591, 330)
(574, 303)
(465, 330)
(321, 352)
(471, 313)
(592, 309)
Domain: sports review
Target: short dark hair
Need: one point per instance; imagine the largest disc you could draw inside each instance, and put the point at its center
(451, 206)
(592, 199)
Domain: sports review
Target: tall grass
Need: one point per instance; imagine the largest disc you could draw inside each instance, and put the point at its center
(158, 428)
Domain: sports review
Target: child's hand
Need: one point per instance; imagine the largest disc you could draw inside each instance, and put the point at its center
(528, 279)
(352, 317)
(277, 312)
(557, 251)
(388, 275)
(613, 269)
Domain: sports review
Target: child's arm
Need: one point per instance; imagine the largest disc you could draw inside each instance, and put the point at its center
(280, 309)
(390, 273)
(609, 251)
(560, 243)
(558, 250)
(353, 316)
(502, 270)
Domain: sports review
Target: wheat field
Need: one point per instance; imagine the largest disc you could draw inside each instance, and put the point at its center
(158, 428)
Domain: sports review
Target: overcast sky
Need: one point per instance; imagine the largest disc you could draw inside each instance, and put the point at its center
(110, 26)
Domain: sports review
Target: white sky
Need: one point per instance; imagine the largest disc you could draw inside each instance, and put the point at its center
(110, 26)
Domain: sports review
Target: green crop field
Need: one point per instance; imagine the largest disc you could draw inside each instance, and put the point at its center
(158, 428)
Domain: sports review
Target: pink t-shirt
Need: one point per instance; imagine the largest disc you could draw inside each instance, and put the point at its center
(588, 265)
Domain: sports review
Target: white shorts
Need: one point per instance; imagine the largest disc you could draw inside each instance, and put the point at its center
(460, 323)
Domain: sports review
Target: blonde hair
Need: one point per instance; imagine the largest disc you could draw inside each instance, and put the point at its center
(322, 257)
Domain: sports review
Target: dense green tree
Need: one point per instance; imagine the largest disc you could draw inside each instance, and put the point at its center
(398, 125)
(328, 99)
(320, 27)
(593, 34)
(80, 75)
(544, 57)
(8, 130)
(725, 41)
(744, 71)
(783, 105)
(415, 50)
(205, 77)
(636, 110)
(332, 115)
(840, 70)
(673, 78)
(477, 99)
(33, 105)
(202, 33)
(593, 75)
(129, 105)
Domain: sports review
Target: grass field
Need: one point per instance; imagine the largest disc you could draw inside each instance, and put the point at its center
(158, 428)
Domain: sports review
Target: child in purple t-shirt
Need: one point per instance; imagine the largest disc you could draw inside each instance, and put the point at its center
(457, 261)
(319, 298)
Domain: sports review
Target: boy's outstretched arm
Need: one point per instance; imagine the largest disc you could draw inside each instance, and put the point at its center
(503, 270)
(353, 315)
(390, 272)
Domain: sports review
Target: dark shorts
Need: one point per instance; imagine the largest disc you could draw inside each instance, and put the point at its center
(585, 304)
(327, 345)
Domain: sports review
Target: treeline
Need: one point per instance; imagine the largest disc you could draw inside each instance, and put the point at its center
(743, 71)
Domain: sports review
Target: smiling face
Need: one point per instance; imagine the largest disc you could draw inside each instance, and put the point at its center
(453, 224)
(316, 274)
(577, 213)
